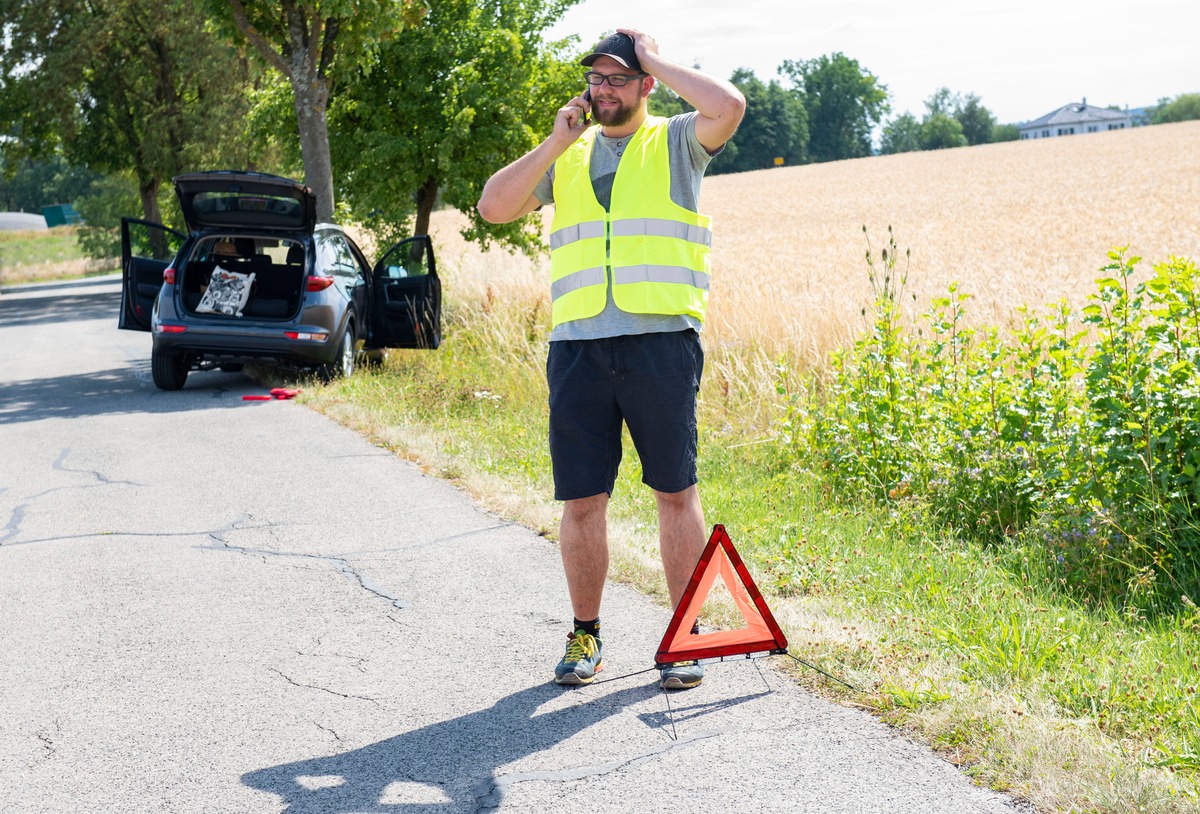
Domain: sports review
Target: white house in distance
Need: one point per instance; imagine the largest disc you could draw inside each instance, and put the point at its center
(1074, 119)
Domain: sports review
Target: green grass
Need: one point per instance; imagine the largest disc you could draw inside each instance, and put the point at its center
(1079, 708)
(28, 248)
(49, 254)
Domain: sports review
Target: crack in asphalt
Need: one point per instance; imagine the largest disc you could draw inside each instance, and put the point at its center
(296, 683)
(13, 527)
(95, 473)
(86, 535)
(47, 744)
(490, 793)
(219, 543)
(340, 564)
(336, 736)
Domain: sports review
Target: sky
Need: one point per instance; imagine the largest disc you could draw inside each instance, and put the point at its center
(1023, 58)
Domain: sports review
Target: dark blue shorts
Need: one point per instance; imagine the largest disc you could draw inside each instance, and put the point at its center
(647, 381)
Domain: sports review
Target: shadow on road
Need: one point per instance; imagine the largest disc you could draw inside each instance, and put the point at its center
(448, 766)
(58, 305)
(115, 391)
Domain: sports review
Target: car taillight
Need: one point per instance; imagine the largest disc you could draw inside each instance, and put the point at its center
(309, 337)
(316, 283)
(168, 276)
(172, 329)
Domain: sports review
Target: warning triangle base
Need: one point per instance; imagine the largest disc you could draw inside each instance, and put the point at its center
(760, 637)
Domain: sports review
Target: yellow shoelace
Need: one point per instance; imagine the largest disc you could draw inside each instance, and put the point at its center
(580, 645)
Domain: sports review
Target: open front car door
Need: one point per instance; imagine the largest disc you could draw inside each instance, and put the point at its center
(146, 251)
(406, 297)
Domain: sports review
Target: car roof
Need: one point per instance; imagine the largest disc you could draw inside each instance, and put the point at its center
(225, 199)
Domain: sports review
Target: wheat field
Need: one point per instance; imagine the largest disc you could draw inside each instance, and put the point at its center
(1016, 223)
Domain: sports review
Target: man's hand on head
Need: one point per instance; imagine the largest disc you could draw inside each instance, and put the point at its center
(643, 44)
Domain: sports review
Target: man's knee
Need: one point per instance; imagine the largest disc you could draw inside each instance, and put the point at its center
(676, 501)
(586, 507)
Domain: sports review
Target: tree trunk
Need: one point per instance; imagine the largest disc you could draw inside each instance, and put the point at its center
(148, 191)
(426, 198)
(311, 96)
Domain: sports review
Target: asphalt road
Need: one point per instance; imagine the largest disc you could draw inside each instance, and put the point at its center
(215, 605)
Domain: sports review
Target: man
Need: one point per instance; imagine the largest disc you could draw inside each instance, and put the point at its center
(629, 287)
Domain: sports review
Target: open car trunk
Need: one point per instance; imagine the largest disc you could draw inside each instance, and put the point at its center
(256, 279)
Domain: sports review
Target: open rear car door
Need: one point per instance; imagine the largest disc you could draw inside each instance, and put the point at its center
(406, 297)
(146, 250)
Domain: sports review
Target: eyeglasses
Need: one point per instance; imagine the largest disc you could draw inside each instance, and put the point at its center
(615, 80)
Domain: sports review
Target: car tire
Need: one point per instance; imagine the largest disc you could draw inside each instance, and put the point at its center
(169, 370)
(343, 366)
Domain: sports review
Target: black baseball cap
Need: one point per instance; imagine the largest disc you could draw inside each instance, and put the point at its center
(618, 47)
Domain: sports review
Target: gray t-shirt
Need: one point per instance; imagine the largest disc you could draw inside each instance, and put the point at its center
(689, 160)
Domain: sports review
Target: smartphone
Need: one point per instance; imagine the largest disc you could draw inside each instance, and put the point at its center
(587, 97)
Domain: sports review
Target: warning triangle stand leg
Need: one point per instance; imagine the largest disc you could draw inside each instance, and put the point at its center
(670, 715)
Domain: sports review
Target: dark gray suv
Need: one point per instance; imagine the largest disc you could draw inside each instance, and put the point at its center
(258, 279)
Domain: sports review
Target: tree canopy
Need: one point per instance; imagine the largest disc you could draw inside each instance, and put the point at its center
(309, 41)
(775, 126)
(120, 86)
(398, 146)
(1184, 107)
(951, 120)
(844, 102)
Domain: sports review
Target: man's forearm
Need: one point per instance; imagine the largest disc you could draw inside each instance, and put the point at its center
(506, 195)
(712, 97)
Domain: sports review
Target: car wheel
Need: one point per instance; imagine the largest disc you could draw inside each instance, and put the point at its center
(343, 366)
(169, 370)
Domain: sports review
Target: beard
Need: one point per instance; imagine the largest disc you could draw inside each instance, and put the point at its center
(616, 117)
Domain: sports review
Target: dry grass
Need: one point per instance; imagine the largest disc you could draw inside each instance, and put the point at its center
(1015, 223)
(62, 270)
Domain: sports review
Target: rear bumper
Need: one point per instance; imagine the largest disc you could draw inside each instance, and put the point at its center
(226, 346)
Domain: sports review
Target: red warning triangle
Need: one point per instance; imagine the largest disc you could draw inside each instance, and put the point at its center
(761, 633)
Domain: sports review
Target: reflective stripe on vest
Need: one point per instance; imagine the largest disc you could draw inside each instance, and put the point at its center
(657, 227)
(580, 231)
(656, 251)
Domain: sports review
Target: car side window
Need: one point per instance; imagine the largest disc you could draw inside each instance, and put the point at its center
(335, 258)
(326, 253)
(409, 259)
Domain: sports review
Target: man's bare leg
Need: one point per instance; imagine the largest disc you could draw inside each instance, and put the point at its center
(681, 537)
(583, 539)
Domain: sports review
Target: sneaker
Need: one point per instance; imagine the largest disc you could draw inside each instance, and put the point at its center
(682, 676)
(582, 660)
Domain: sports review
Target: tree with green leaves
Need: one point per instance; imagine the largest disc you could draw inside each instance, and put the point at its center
(120, 86)
(976, 120)
(1005, 132)
(940, 131)
(901, 135)
(1184, 107)
(844, 102)
(399, 147)
(775, 126)
(309, 42)
(28, 185)
(666, 102)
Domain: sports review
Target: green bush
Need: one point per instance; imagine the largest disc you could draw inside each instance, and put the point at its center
(1076, 435)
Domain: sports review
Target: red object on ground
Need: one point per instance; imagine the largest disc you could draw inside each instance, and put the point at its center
(285, 392)
(761, 633)
(256, 398)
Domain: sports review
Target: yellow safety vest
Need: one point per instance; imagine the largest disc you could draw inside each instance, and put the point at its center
(656, 251)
